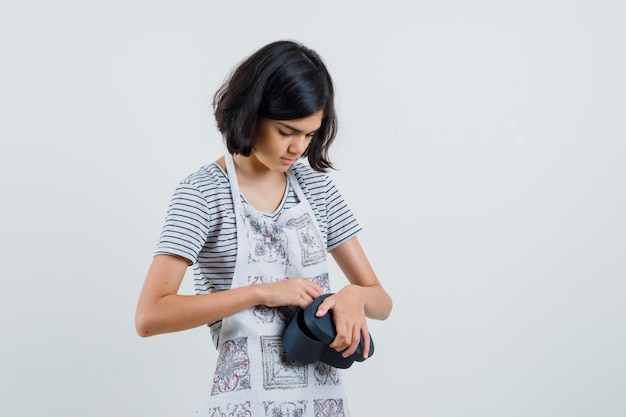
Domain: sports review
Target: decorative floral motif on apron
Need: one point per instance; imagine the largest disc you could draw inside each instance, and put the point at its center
(254, 377)
(313, 251)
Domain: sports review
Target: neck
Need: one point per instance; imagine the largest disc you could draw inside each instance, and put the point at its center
(251, 171)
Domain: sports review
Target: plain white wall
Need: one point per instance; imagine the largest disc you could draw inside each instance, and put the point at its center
(482, 148)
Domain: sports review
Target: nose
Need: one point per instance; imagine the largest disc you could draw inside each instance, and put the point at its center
(299, 144)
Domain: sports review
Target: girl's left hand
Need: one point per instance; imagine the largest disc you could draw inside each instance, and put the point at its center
(348, 306)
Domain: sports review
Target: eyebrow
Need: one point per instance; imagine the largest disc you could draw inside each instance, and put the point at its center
(293, 128)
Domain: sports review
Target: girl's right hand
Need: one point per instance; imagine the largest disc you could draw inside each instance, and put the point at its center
(298, 292)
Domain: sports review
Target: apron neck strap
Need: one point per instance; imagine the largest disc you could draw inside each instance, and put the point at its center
(234, 184)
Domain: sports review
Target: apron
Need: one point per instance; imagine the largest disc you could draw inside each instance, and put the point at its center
(254, 377)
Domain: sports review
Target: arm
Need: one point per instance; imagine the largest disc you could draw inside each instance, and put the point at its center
(161, 309)
(364, 297)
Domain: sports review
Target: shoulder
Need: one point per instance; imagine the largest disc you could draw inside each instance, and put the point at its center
(208, 187)
(207, 176)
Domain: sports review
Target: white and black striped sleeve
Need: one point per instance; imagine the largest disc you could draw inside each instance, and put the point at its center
(342, 224)
(187, 223)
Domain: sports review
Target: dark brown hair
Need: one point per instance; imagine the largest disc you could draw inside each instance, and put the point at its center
(283, 80)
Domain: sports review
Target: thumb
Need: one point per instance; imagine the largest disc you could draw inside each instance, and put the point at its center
(326, 305)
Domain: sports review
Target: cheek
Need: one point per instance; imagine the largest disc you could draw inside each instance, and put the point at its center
(260, 139)
(268, 145)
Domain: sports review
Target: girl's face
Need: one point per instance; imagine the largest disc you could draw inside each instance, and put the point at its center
(280, 143)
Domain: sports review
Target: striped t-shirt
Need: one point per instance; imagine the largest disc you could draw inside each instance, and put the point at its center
(200, 222)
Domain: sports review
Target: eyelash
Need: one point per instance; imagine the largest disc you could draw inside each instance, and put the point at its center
(286, 135)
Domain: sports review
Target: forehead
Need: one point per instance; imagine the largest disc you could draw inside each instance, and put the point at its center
(305, 124)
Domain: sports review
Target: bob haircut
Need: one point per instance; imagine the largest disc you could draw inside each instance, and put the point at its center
(284, 80)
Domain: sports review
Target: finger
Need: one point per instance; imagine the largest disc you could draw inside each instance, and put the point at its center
(342, 339)
(325, 306)
(353, 343)
(339, 344)
(307, 292)
(304, 300)
(314, 290)
(366, 342)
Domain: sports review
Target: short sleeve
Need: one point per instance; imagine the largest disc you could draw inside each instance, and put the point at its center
(342, 224)
(187, 224)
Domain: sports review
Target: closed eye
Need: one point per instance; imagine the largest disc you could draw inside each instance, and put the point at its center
(309, 136)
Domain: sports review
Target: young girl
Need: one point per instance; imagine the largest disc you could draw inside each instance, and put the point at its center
(256, 225)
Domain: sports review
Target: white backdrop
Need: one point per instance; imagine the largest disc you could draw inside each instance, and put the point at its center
(481, 146)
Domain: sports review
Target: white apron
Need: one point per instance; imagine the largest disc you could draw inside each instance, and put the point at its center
(254, 377)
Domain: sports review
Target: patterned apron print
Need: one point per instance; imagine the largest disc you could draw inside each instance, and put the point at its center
(254, 377)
